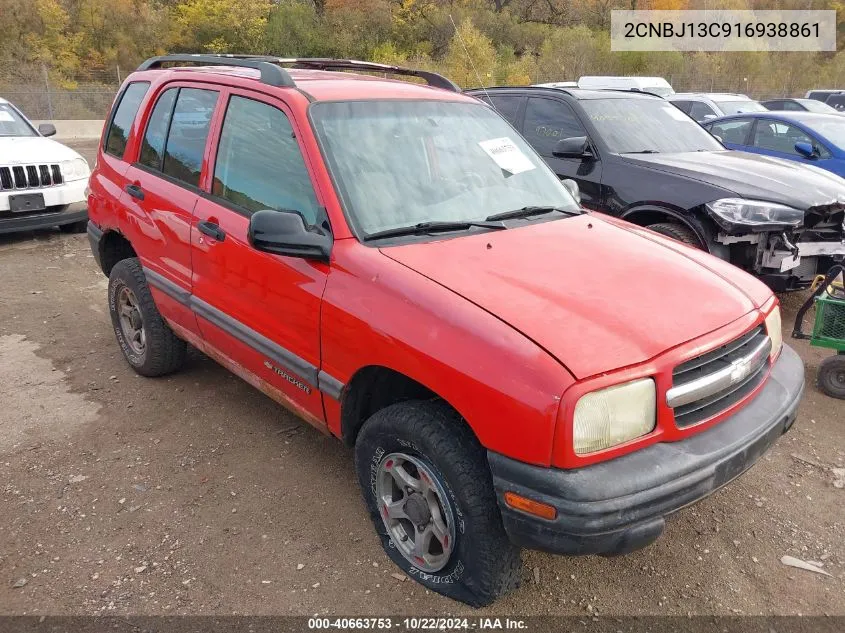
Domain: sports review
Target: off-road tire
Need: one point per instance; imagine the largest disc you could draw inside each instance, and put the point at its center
(164, 352)
(74, 227)
(676, 231)
(483, 564)
(831, 377)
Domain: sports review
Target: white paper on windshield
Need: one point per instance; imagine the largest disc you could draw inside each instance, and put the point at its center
(677, 114)
(5, 116)
(507, 155)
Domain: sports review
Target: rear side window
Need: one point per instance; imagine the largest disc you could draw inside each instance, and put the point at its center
(174, 142)
(547, 121)
(124, 115)
(259, 165)
(733, 131)
(682, 105)
(152, 149)
(699, 110)
(188, 134)
(507, 106)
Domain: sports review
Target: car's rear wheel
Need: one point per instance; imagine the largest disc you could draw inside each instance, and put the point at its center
(149, 345)
(676, 231)
(428, 487)
(831, 376)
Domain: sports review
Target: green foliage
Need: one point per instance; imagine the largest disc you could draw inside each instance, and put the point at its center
(495, 42)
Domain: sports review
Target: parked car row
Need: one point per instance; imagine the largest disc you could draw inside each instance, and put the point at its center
(637, 157)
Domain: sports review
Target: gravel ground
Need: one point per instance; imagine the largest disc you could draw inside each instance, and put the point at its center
(196, 494)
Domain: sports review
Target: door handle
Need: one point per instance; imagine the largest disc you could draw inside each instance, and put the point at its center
(135, 191)
(212, 230)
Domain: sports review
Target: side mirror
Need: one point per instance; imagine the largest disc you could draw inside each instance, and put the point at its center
(805, 149)
(572, 186)
(47, 129)
(285, 233)
(573, 147)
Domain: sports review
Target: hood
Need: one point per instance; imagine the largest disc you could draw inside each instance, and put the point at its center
(752, 176)
(21, 150)
(591, 292)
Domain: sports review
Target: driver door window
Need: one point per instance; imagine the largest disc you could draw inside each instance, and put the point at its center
(547, 121)
(259, 165)
(776, 136)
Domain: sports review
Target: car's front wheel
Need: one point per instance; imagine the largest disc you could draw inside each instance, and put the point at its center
(428, 487)
(677, 231)
(148, 343)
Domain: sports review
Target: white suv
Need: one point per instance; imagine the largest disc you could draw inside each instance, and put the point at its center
(42, 182)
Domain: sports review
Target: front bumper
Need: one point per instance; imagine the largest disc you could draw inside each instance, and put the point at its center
(618, 506)
(76, 212)
(65, 204)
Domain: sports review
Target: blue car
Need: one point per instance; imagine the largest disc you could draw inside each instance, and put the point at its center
(805, 137)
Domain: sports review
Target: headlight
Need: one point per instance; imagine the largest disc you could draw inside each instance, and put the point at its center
(753, 215)
(614, 415)
(773, 329)
(75, 169)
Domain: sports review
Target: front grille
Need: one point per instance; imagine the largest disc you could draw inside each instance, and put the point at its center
(30, 176)
(720, 362)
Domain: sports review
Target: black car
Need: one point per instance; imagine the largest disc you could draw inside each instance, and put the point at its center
(638, 157)
(799, 105)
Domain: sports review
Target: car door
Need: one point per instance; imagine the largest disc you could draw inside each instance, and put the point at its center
(733, 133)
(548, 120)
(778, 138)
(162, 189)
(259, 314)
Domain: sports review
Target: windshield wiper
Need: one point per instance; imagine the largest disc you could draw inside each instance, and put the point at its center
(644, 151)
(526, 212)
(424, 228)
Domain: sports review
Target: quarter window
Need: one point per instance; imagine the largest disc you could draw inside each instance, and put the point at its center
(547, 121)
(123, 117)
(259, 165)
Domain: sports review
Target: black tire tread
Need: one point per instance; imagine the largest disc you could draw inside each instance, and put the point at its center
(435, 423)
(676, 231)
(827, 369)
(165, 351)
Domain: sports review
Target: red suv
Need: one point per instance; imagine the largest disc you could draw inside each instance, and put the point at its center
(396, 265)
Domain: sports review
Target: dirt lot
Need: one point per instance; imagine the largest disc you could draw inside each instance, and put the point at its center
(197, 494)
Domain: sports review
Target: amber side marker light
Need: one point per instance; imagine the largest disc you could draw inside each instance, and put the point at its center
(518, 502)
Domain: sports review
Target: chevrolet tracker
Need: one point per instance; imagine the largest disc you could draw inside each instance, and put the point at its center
(396, 265)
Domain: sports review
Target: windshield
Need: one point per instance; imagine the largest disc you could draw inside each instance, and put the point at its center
(12, 123)
(660, 91)
(833, 131)
(402, 163)
(646, 125)
(738, 107)
(811, 105)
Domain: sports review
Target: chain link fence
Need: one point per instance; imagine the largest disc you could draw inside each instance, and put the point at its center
(39, 96)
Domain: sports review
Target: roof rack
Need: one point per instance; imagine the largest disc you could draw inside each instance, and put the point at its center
(273, 74)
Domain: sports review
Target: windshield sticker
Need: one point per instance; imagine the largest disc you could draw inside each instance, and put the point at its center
(507, 155)
(6, 116)
(676, 114)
